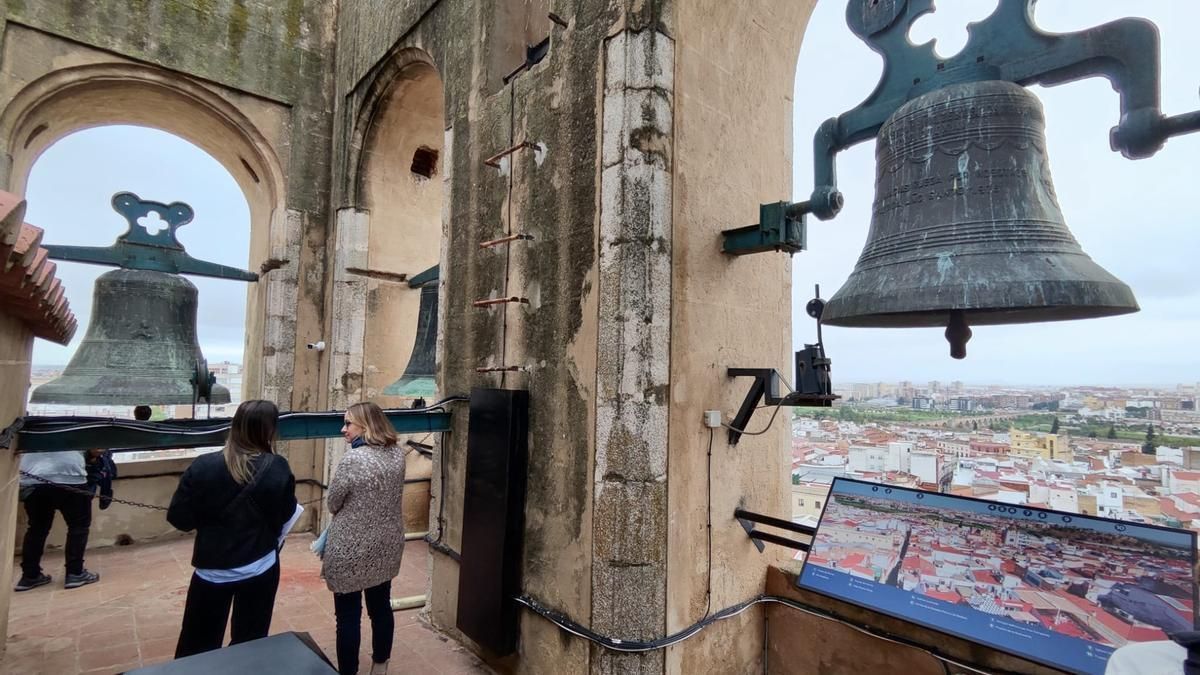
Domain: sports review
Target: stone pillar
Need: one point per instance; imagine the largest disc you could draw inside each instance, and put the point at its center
(16, 348)
(629, 544)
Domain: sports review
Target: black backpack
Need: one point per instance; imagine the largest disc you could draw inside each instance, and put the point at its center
(1191, 640)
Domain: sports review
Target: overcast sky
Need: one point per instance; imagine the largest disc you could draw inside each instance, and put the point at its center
(1136, 219)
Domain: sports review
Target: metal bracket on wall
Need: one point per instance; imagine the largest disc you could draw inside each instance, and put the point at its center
(766, 389)
(747, 519)
(9, 433)
(780, 227)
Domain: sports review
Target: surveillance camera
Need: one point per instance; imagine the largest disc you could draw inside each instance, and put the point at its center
(318, 346)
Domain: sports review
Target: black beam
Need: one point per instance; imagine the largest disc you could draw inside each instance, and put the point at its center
(774, 522)
(776, 539)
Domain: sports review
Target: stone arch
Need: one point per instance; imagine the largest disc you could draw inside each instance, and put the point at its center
(72, 99)
(391, 225)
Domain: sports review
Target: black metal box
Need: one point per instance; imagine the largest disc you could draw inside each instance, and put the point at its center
(493, 517)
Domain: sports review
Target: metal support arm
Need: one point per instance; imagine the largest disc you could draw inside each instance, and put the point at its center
(747, 519)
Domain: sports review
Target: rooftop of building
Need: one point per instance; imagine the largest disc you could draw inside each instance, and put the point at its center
(131, 617)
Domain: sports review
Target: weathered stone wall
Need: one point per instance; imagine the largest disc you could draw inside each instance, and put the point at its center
(732, 151)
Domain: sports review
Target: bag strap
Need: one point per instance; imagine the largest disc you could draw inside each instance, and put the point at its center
(245, 491)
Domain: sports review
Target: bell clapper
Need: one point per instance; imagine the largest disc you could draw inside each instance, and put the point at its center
(958, 333)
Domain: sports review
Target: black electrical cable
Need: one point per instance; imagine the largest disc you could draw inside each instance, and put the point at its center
(708, 593)
(635, 646)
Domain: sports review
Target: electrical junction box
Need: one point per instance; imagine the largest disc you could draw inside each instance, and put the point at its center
(712, 419)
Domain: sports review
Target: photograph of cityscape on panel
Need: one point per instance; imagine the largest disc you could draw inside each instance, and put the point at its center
(1059, 588)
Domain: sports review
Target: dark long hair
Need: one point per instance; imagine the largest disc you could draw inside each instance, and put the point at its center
(251, 433)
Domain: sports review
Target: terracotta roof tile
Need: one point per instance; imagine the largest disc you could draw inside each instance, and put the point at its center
(29, 289)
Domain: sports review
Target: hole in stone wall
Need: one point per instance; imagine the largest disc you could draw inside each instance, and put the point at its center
(37, 131)
(424, 162)
(249, 169)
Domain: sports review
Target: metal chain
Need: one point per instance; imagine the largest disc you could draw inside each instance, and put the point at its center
(93, 495)
(89, 493)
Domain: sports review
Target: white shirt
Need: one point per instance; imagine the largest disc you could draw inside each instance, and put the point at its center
(255, 568)
(1147, 658)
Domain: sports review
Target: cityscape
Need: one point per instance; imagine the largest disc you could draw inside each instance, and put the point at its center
(1132, 454)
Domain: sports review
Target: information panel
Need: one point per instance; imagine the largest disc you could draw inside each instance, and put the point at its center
(1057, 588)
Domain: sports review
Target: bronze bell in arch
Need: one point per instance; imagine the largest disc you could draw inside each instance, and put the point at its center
(140, 346)
(419, 379)
(966, 229)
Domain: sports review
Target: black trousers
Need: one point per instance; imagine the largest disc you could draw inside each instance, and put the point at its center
(347, 608)
(76, 510)
(207, 610)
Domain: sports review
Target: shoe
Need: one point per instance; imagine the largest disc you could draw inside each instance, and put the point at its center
(379, 668)
(82, 579)
(26, 583)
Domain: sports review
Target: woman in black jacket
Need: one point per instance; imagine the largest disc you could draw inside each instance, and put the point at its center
(238, 502)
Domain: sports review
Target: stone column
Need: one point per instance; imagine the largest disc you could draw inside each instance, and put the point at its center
(16, 349)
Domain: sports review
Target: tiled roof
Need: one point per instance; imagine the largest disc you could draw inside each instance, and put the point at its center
(29, 290)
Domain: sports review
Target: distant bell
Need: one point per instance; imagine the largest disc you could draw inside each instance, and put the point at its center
(965, 228)
(419, 377)
(140, 347)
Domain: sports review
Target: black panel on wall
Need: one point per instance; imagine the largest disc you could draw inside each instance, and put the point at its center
(493, 517)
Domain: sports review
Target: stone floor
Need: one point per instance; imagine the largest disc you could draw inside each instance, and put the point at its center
(130, 618)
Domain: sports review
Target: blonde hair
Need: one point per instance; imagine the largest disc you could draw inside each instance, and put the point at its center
(250, 434)
(377, 430)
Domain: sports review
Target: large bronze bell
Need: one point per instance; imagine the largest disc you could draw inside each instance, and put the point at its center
(966, 229)
(419, 377)
(140, 347)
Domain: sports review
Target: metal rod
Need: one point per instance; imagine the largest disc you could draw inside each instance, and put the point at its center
(774, 522)
(413, 536)
(411, 602)
(494, 160)
(506, 240)
(776, 539)
(499, 301)
(501, 369)
(1181, 124)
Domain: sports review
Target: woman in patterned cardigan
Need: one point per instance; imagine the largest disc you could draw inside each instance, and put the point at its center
(365, 540)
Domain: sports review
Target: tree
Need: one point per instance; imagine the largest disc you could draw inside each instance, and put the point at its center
(1112, 431)
(1092, 433)
(1148, 446)
(975, 426)
(1054, 426)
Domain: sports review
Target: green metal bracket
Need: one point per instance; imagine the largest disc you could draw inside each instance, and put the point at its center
(52, 434)
(780, 227)
(141, 249)
(431, 274)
